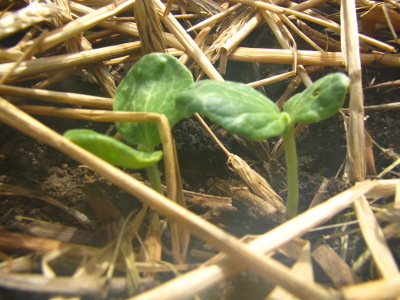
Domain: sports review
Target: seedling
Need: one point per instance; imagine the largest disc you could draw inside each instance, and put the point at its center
(242, 110)
(150, 86)
(160, 83)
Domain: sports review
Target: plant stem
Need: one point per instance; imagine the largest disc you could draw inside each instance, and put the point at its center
(154, 177)
(289, 143)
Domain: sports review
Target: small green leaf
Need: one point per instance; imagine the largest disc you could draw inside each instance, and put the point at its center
(112, 150)
(237, 107)
(319, 101)
(150, 86)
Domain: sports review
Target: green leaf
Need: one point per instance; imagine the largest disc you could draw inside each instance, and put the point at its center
(320, 101)
(112, 150)
(151, 86)
(237, 107)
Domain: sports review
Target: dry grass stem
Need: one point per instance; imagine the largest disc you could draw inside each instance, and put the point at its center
(236, 38)
(190, 46)
(308, 57)
(256, 183)
(100, 71)
(88, 21)
(255, 206)
(286, 40)
(380, 14)
(26, 55)
(389, 168)
(375, 240)
(300, 33)
(214, 19)
(168, 7)
(331, 25)
(228, 30)
(373, 290)
(300, 251)
(9, 55)
(199, 39)
(128, 28)
(62, 285)
(307, 4)
(321, 39)
(213, 136)
(269, 80)
(67, 61)
(355, 133)
(203, 6)
(58, 97)
(80, 43)
(150, 30)
(334, 266)
(26, 243)
(34, 13)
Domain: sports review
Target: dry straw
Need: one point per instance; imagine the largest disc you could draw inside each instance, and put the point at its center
(93, 36)
(351, 57)
(36, 12)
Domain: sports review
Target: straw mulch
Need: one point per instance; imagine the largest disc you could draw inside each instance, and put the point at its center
(74, 226)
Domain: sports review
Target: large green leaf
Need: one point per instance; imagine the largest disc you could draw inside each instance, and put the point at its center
(238, 108)
(151, 86)
(112, 150)
(319, 101)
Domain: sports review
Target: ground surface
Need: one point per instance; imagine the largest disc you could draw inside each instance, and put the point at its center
(31, 165)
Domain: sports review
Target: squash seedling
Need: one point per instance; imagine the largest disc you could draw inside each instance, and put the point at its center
(242, 110)
(160, 83)
(151, 85)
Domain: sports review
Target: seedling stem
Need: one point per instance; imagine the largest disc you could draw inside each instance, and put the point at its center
(289, 142)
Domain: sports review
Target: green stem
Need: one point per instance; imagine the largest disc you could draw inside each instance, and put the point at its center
(154, 177)
(289, 143)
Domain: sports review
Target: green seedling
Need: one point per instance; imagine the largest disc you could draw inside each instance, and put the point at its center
(160, 83)
(150, 86)
(242, 110)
